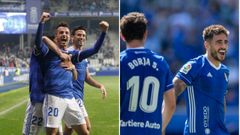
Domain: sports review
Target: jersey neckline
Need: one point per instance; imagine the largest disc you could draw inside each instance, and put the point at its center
(211, 64)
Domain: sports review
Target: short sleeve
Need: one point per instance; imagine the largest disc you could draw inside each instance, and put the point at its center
(189, 71)
(169, 78)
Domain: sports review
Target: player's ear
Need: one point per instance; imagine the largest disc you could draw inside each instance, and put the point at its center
(206, 44)
(122, 37)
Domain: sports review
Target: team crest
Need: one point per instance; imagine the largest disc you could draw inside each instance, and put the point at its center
(186, 68)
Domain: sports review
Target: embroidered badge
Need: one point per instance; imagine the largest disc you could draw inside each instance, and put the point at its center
(186, 68)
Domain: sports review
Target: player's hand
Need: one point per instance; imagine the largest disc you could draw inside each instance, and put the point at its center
(67, 65)
(65, 57)
(104, 26)
(45, 17)
(104, 92)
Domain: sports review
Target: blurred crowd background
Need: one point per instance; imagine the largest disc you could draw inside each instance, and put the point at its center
(175, 31)
(80, 5)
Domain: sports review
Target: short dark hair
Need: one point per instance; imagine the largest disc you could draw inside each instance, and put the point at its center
(62, 24)
(133, 26)
(78, 28)
(212, 30)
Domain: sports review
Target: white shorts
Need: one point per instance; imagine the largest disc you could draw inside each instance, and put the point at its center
(33, 121)
(82, 108)
(56, 108)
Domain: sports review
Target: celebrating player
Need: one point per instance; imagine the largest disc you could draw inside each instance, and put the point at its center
(145, 80)
(33, 121)
(205, 79)
(79, 40)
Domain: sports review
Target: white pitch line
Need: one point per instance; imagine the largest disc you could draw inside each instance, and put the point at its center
(13, 107)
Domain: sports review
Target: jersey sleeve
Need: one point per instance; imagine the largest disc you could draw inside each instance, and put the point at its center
(188, 72)
(93, 50)
(75, 56)
(169, 78)
(39, 45)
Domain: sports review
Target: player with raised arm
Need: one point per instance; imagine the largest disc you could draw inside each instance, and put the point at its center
(59, 102)
(33, 121)
(145, 81)
(79, 40)
(205, 79)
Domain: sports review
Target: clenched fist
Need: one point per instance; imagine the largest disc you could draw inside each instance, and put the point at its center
(45, 17)
(104, 26)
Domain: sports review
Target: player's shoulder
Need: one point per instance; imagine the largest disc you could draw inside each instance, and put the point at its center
(157, 56)
(123, 53)
(224, 67)
(194, 65)
(198, 61)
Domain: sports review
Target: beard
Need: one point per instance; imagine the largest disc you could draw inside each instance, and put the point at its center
(217, 56)
(80, 43)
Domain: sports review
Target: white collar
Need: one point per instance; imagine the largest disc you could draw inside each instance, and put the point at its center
(135, 48)
(217, 68)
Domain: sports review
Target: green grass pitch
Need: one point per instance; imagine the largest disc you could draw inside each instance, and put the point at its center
(103, 113)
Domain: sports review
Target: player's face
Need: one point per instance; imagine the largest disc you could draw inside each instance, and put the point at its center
(218, 47)
(62, 36)
(79, 38)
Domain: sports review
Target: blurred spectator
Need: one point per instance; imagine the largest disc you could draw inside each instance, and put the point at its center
(6, 72)
(85, 5)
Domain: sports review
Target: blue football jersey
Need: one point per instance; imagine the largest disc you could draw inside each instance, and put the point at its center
(36, 79)
(205, 92)
(144, 77)
(78, 85)
(57, 80)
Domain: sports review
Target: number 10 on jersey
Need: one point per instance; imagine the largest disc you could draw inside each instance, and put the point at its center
(133, 85)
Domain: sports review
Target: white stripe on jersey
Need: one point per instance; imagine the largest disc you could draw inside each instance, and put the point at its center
(192, 109)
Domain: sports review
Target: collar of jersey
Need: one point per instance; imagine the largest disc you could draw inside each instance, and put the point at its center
(135, 48)
(211, 64)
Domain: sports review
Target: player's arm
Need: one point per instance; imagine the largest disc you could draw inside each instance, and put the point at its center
(179, 86)
(168, 108)
(38, 39)
(52, 46)
(91, 51)
(89, 80)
